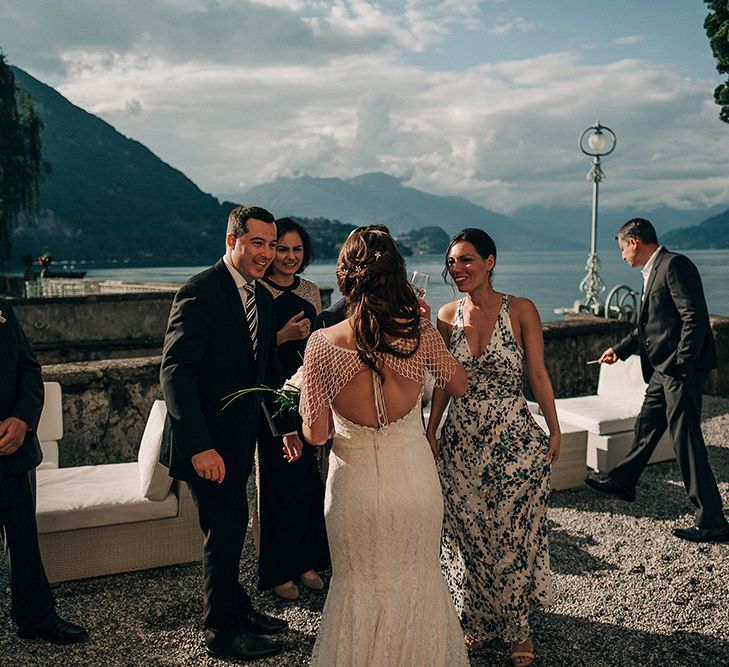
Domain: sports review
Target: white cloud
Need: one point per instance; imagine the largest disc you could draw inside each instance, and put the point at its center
(629, 40)
(237, 93)
(517, 24)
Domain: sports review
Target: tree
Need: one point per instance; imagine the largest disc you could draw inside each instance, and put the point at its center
(20, 157)
(716, 25)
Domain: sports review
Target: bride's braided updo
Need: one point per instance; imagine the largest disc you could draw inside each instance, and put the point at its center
(382, 305)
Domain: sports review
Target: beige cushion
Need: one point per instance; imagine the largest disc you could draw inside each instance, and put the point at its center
(620, 393)
(598, 414)
(50, 454)
(50, 426)
(622, 380)
(154, 478)
(91, 496)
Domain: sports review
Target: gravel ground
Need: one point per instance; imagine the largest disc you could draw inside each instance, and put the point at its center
(627, 592)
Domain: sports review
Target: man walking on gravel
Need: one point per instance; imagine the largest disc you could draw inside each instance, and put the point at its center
(677, 351)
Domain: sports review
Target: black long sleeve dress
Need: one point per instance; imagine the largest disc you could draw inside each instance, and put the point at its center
(293, 536)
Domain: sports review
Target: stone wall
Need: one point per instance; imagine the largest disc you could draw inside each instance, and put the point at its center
(105, 407)
(97, 326)
(570, 344)
(106, 403)
(100, 326)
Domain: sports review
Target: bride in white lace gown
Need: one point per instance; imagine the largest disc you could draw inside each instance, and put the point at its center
(388, 603)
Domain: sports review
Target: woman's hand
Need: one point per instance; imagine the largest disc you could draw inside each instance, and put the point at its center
(553, 451)
(297, 328)
(433, 442)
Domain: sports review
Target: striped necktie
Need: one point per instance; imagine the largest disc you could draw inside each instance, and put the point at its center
(249, 293)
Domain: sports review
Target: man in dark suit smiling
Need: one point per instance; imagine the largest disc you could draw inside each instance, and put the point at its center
(677, 350)
(221, 338)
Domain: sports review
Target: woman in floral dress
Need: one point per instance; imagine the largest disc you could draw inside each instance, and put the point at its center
(495, 458)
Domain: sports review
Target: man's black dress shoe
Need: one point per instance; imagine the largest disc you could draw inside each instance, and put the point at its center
(56, 630)
(606, 485)
(244, 647)
(261, 624)
(696, 534)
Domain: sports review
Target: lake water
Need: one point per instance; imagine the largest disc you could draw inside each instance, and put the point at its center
(549, 279)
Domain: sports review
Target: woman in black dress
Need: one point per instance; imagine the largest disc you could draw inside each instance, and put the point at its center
(293, 540)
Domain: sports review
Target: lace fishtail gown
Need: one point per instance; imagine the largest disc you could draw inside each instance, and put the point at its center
(388, 603)
(495, 479)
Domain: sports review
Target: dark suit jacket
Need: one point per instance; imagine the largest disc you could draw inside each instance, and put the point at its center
(207, 356)
(21, 390)
(673, 334)
(328, 317)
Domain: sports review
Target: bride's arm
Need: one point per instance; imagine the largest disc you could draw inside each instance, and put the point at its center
(317, 433)
(456, 385)
(314, 407)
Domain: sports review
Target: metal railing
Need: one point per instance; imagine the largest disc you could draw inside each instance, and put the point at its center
(622, 303)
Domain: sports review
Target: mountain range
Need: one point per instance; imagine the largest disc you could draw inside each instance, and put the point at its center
(711, 233)
(109, 198)
(383, 199)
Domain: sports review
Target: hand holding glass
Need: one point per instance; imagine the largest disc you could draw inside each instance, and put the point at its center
(419, 283)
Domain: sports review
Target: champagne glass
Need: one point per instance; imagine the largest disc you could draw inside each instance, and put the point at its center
(419, 283)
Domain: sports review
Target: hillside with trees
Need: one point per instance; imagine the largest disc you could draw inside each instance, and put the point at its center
(108, 197)
(711, 233)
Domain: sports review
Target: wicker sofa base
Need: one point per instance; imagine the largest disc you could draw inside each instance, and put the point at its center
(102, 550)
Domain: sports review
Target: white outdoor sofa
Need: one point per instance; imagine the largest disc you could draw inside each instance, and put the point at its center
(117, 517)
(609, 416)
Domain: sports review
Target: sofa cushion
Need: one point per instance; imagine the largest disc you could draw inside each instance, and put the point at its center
(50, 424)
(91, 496)
(598, 414)
(622, 380)
(154, 478)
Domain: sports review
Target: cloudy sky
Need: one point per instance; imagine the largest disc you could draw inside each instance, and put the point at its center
(480, 98)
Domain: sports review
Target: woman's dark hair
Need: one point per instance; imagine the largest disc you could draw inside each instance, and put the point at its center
(479, 239)
(382, 305)
(286, 225)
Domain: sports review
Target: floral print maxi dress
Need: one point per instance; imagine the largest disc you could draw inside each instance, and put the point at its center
(495, 480)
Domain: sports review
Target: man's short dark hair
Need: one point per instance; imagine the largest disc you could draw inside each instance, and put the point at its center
(639, 229)
(240, 215)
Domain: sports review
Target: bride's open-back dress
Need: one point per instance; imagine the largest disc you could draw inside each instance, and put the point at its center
(388, 603)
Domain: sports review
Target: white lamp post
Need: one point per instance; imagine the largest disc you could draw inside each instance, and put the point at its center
(596, 141)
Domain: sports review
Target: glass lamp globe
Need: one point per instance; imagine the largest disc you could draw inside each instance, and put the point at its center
(597, 141)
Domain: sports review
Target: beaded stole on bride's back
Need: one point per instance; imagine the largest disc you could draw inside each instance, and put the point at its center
(328, 368)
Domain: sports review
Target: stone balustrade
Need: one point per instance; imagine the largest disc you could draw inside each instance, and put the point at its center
(106, 403)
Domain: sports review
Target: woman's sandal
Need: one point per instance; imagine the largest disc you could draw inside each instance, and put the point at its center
(473, 643)
(527, 655)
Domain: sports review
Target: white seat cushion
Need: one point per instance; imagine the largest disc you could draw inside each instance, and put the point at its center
(598, 414)
(90, 496)
(622, 380)
(154, 478)
(50, 426)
